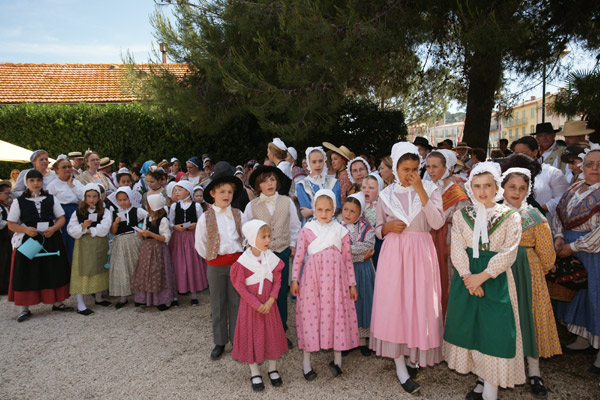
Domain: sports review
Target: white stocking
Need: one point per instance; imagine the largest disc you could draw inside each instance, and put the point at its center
(80, 303)
(401, 370)
(533, 364)
(255, 372)
(490, 392)
(306, 362)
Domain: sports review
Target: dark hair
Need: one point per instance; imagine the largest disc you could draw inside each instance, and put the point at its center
(479, 153)
(136, 170)
(522, 175)
(124, 161)
(505, 141)
(119, 176)
(407, 157)
(353, 200)
(530, 142)
(523, 161)
(157, 174)
(33, 174)
(5, 185)
(156, 215)
(449, 141)
(572, 151)
(439, 156)
(83, 206)
(262, 177)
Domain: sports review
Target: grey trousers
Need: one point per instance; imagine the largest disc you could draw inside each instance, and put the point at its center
(224, 304)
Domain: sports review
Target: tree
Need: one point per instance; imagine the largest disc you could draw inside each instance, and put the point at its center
(581, 97)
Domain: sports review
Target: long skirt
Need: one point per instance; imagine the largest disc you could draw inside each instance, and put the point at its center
(407, 310)
(154, 278)
(582, 313)
(43, 279)
(522, 275)
(5, 259)
(88, 284)
(69, 209)
(365, 284)
(190, 268)
(124, 256)
(440, 240)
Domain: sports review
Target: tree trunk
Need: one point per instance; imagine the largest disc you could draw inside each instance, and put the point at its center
(484, 74)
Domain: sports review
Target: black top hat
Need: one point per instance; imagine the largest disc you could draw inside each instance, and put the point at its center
(284, 181)
(422, 141)
(223, 174)
(545, 127)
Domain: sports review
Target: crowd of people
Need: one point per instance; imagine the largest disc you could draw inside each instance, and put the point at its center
(430, 255)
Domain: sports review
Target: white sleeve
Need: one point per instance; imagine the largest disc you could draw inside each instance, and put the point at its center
(172, 214)
(200, 235)
(58, 210)
(199, 210)
(294, 224)
(141, 214)
(74, 227)
(52, 188)
(14, 214)
(78, 189)
(165, 229)
(20, 183)
(103, 227)
(559, 187)
(248, 212)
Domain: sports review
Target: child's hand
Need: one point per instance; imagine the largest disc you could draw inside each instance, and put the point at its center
(292, 251)
(369, 254)
(266, 307)
(474, 281)
(295, 289)
(558, 243)
(31, 231)
(478, 292)
(116, 222)
(49, 232)
(395, 226)
(192, 227)
(86, 224)
(353, 293)
(306, 212)
(179, 228)
(415, 180)
(139, 234)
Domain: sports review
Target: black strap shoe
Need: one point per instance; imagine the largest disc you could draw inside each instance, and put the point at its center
(85, 312)
(310, 375)
(473, 395)
(411, 386)
(121, 304)
(103, 303)
(537, 387)
(24, 316)
(257, 387)
(335, 369)
(62, 308)
(275, 381)
(217, 352)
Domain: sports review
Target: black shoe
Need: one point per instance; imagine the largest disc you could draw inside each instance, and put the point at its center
(593, 370)
(257, 387)
(194, 302)
(24, 316)
(473, 395)
(163, 307)
(277, 381)
(310, 375)
(413, 371)
(290, 344)
(587, 350)
(335, 369)
(62, 307)
(217, 352)
(366, 352)
(85, 312)
(175, 303)
(411, 386)
(135, 303)
(103, 303)
(121, 304)
(537, 387)
(346, 352)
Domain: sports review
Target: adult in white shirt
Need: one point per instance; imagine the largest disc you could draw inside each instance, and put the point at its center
(549, 150)
(39, 159)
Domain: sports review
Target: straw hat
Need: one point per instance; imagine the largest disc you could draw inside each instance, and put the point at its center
(342, 151)
(462, 145)
(106, 162)
(75, 154)
(576, 128)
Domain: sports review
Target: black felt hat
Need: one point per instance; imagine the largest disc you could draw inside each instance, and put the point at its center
(422, 141)
(545, 127)
(223, 173)
(284, 181)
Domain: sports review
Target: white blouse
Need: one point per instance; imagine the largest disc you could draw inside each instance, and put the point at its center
(14, 215)
(230, 242)
(102, 229)
(548, 188)
(66, 194)
(164, 229)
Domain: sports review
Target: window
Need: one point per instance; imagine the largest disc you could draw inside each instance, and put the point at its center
(510, 135)
(523, 131)
(532, 112)
(523, 115)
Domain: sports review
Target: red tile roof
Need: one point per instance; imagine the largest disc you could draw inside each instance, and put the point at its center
(67, 83)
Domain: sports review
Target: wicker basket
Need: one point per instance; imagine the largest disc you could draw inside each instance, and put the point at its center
(559, 292)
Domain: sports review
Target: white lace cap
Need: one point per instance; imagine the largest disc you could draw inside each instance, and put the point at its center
(187, 185)
(92, 186)
(279, 144)
(327, 193)
(127, 190)
(523, 171)
(400, 149)
(319, 149)
(356, 159)
(593, 146)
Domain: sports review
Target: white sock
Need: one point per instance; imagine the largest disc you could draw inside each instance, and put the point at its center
(255, 372)
(273, 367)
(175, 298)
(194, 296)
(99, 297)
(123, 299)
(490, 392)
(597, 362)
(80, 303)
(401, 370)
(533, 364)
(306, 367)
(337, 358)
(24, 308)
(579, 344)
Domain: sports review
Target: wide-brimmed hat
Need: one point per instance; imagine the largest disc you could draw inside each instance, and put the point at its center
(422, 141)
(462, 145)
(284, 181)
(576, 128)
(164, 164)
(75, 154)
(545, 127)
(223, 173)
(342, 150)
(106, 162)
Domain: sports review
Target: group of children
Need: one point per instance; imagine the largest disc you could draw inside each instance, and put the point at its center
(472, 306)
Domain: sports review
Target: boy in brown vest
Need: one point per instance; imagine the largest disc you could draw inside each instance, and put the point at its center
(219, 241)
(278, 210)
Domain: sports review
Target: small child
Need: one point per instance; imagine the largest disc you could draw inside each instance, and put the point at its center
(259, 333)
(5, 247)
(325, 311)
(89, 226)
(154, 278)
(362, 242)
(372, 185)
(126, 245)
(219, 242)
(199, 197)
(190, 268)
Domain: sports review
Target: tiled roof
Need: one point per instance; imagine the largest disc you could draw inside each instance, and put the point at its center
(67, 83)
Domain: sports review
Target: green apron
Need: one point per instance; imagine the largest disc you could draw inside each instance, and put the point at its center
(485, 324)
(93, 254)
(522, 276)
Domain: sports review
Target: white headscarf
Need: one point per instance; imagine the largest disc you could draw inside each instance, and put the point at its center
(264, 264)
(593, 146)
(293, 152)
(400, 149)
(348, 169)
(156, 201)
(279, 144)
(480, 229)
(187, 185)
(319, 149)
(360, 196)
(523, 171)
(380, 183)
(92, 186)
(127, 190)
(169, 188)
(327, 193)
(451, 161)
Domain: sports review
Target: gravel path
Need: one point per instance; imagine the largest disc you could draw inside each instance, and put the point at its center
(141, 353)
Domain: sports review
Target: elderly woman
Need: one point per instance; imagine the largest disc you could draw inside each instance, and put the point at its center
(92, 174)
(39, 159)
(576, 226)
(68, 192)
(339, 163)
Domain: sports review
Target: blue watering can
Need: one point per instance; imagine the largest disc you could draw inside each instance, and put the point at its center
(32, 249)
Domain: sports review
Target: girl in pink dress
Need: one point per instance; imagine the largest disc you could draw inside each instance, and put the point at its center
(326, 291)
(256, 276)
(407, 316)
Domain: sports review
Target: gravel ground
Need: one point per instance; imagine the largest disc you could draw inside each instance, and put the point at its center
(141, 353)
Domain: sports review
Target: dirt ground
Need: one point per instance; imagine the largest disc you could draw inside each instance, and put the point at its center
(142, 353)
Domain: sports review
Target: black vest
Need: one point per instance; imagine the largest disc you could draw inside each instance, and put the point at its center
(30, 215)
(4, 232)
(82, 218)
(153, 228)
(123, 227)
(188, 215)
